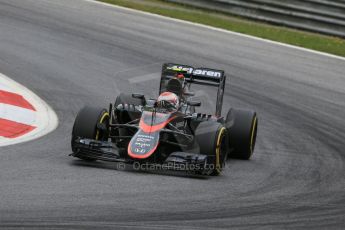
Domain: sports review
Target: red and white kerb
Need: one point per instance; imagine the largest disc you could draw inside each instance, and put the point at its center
(17, 115)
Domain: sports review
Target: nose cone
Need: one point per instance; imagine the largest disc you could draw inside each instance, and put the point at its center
(143, 144)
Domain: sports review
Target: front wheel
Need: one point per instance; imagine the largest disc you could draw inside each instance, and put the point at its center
(90, 123)
(242, 126)
(212, 138)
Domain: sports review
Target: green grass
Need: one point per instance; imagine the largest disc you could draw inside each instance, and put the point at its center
(308, 40)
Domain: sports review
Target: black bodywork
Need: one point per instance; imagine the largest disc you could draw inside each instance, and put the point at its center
(143, 132)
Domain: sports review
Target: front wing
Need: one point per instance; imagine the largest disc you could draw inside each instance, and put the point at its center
(107, 151)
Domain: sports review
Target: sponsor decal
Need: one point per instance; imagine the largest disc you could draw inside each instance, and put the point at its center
(208, 73)
(145, 137)
(139, 150)
(197, 72)
(181, 69)
(143, 143)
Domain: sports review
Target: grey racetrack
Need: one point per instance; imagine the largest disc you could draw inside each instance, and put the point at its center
(73, 53)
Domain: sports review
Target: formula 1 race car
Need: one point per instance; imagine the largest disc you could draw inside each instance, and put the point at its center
(167, 131)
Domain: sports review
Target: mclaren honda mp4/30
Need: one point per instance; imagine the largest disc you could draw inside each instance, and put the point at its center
(167, 131)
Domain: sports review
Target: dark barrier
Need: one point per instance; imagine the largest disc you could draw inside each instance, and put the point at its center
(322, 16)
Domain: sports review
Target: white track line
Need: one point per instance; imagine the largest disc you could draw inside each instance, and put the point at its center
(217, 29)
(46, 120)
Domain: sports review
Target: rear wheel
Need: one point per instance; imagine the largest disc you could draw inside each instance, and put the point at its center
(212, 138)
(90, 123)
(242, 126)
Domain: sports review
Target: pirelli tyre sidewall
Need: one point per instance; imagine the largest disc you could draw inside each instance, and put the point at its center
(212, 138)
(88, 124)
(242, 127)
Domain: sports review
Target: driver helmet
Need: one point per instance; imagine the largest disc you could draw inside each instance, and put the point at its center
(181, 78)
(170, 97)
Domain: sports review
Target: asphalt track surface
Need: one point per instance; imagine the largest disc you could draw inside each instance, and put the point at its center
(73, 53)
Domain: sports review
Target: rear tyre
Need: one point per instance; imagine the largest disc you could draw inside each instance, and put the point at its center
(212, 138)
(90, 123)
(242, 126)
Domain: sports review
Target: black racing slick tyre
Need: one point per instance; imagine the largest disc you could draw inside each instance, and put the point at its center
(212, 138)
(90, 123)
(242, 126)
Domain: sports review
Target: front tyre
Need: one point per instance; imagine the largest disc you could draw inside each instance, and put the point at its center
(242, 126)
(90, 123)
(212, 138)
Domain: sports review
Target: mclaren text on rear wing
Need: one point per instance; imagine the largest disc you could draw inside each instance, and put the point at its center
(198, 74)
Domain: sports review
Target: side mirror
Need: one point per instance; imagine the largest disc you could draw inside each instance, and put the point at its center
(194, 103)
(138, 96)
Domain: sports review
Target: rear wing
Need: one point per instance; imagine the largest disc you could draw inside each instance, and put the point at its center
(195, 75)
(201, 76)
